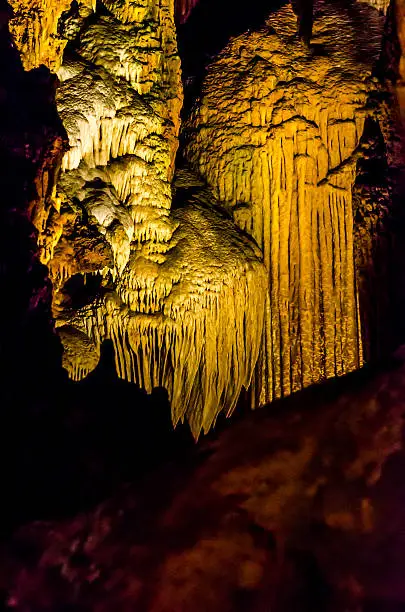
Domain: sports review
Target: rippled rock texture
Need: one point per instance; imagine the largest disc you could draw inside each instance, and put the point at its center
(181, 294)
(268, 274)
(281, 143)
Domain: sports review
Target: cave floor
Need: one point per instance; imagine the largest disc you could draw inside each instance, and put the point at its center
(299, 506)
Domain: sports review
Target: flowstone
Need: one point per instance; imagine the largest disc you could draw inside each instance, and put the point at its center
(257, 275)
(279, 141)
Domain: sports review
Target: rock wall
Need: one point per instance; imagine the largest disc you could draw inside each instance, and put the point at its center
(35, 29)
(380, 5)
(400, 21)
(300, 509)
(278, 135)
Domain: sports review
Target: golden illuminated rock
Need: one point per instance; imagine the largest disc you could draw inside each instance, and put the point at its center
(35, 29)
(380, 5)
(276, 135)
(186, 314)
(180, 293)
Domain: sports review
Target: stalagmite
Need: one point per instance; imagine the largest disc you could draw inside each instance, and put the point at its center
(278, 143)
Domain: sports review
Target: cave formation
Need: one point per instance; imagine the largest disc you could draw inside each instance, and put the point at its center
(213, 193)
(259, 263)
(177, 290)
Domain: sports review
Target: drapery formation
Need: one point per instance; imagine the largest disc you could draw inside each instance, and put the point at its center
(179, 293)
(278, 234)
(279, 145)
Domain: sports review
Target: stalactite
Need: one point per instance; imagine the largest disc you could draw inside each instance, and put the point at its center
(179, 293)
(183, 293)
(192, 324)
(278, 143)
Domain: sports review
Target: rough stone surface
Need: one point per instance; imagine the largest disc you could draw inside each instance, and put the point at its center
(181, 294)
(279, 135)
(36, 33)
(380, 5)
(298, 507)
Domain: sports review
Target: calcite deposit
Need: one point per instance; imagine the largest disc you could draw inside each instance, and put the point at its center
(279, 144)
(180, 293)
(35, 29)
(257, 244)
(245, 271)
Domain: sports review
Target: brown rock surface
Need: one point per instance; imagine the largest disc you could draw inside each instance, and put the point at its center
(297, 508)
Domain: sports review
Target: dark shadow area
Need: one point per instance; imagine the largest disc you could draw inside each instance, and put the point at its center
(179, 514)
(82, 289)
(303, 587)
(71, 443)
(378, 195)
(64, 445)
(383, 606)
(378, 224)
(210, 26)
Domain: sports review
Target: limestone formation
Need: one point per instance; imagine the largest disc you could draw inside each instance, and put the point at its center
(380, 5)
(184, 310)
(278, 136)
(36, 32)
(278, 142)
(181, 294)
